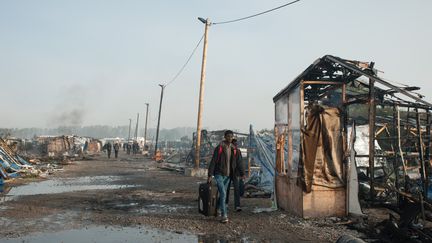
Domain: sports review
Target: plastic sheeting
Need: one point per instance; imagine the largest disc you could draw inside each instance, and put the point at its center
(361, 146)
(11, 165)
(264, 154)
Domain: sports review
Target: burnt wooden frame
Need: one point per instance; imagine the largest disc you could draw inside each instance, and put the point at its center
(333, 70)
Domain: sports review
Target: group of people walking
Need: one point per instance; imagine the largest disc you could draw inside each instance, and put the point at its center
(134, 147)
(108, 147)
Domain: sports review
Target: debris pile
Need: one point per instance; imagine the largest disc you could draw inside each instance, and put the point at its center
(67, 146)
(23, 157)
(12, 165)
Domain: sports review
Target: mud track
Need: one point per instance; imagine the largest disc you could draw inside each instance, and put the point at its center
(134, 192)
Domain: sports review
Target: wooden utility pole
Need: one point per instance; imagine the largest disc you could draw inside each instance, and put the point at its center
(249, 150)
(130, 123)
(201, 94)
(145, 127)
(160, 108)
(136, 128)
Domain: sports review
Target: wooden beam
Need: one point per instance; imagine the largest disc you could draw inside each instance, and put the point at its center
(321, 82)
(372, 115)
(421, 154)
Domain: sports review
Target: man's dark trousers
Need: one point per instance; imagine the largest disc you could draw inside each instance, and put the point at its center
(235, 181)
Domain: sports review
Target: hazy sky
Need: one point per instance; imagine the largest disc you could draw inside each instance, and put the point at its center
(98, 62)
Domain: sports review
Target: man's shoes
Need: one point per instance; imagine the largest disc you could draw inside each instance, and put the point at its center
(238, 209)
(224, 220)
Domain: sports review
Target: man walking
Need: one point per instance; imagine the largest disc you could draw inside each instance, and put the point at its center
(128, 148)
(116, 149)
(234, 177)
(220, 169)
(108, 148)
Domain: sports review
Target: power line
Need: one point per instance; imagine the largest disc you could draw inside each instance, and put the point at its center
(251, 16)
(186, 63)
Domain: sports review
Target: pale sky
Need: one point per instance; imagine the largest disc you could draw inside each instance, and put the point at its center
(98, 62)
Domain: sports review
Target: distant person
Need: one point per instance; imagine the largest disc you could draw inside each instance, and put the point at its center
(86, 144)
(116, 149)
(220, 168)
(135, 147)
(124, 146)
(238, 171)
(128, 148)
(108, 148)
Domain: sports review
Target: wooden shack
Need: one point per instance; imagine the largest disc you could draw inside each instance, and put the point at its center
(314, 157)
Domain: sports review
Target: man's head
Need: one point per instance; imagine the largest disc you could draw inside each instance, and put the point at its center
(228, 135)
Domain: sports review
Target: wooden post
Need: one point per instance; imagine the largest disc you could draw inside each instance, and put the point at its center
(145, 127)
(159, 116)
(249, 150)
(345, 131)
(428, 144)
(290, 139)
(400, 145)
(372, 116)
(302, 125)
(130, 124)
(201, 96)
(396, 149)
(421, 153)
(136, 128)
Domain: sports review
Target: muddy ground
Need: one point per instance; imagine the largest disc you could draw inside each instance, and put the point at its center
(133, 193)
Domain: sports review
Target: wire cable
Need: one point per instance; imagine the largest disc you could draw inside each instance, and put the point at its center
(186, 63)
(254, 15)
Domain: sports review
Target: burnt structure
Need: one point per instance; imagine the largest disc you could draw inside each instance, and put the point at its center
(341, 129)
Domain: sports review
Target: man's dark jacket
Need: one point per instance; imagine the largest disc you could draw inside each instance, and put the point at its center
(239, 165)
(218, 163)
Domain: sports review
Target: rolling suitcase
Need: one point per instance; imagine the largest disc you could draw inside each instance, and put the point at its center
(207, 198)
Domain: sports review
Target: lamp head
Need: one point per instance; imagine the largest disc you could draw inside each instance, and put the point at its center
(204, 21)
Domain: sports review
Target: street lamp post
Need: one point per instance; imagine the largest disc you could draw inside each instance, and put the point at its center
(160, 108)
(201, 94)
(145, 127)
(136, 128)
(130, 123)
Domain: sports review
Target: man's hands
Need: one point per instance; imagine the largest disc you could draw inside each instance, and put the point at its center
(209, 179)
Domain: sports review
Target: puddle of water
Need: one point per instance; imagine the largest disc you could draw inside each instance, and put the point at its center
(217, 239)
(114, 235)
(159, 208)
(126, 205)
(263, 210)
(105, 235)
(64, 185)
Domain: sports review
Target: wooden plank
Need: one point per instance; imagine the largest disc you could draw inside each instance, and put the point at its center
(289, 195)
(290, 140)
(322, 82)
(324, 202)
(282, 192)
(372, 116)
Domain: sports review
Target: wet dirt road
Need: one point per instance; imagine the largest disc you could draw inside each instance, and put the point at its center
(132, 200)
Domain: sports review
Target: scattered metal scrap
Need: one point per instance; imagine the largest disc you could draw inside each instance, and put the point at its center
(67, 146)
(12, 165)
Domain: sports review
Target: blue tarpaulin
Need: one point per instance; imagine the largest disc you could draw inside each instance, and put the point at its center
(264, 155)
